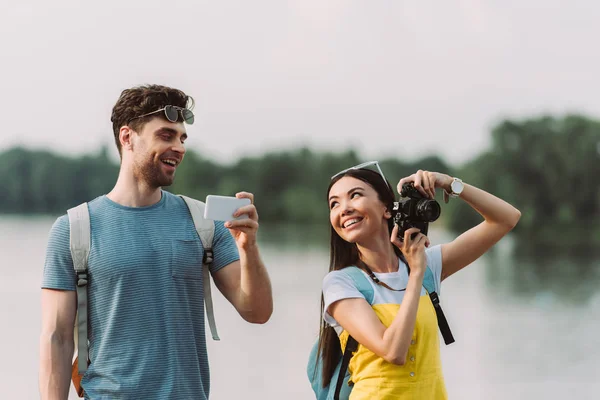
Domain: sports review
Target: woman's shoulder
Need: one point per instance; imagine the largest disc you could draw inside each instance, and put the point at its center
(348, 274)
(434, 263)
(335, 276)
(433, 250)
(434, 256)
(347, 280)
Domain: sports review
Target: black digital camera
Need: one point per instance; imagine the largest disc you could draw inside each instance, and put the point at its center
(414, 210)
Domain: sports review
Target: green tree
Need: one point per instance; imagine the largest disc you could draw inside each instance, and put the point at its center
(548, 168)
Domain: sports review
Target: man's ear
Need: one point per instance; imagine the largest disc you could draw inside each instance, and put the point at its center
(387, 214)
(126, 137)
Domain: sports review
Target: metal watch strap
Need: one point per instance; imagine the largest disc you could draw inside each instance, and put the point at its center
(447, 194)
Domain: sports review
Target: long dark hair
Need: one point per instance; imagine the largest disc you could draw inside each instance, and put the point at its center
(343, 254)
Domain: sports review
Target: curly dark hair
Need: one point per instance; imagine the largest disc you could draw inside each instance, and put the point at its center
(141, 100)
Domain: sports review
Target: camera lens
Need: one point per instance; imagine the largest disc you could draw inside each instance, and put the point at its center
(428, 210)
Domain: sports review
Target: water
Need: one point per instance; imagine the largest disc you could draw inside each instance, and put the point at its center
(521, 333)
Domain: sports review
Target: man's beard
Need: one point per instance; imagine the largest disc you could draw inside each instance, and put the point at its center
(152, 174)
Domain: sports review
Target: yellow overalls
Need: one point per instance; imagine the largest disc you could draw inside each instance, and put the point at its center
(420, 378)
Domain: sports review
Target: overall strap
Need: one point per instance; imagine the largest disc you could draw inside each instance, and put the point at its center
(206, 231)
(80, 234)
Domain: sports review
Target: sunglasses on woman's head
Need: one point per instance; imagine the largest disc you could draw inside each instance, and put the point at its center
(172, 114)
(363, 165)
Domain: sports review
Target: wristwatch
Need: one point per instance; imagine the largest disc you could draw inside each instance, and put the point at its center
(456, 188)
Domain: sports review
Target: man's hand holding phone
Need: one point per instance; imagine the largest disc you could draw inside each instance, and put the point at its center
(239, 213)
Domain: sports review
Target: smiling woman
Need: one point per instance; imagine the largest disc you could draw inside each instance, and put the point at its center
(380, 305)
(368, 210)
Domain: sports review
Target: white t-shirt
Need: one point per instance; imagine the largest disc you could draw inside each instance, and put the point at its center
(338, 286)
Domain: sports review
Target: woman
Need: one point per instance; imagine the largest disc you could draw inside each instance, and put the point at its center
(398, 355)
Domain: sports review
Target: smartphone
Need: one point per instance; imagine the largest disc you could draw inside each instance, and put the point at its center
(221, 208)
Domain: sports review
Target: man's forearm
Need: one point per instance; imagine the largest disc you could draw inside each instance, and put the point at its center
(55, 367)
(255, 287)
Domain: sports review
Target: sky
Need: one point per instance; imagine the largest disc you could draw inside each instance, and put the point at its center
(389, 78)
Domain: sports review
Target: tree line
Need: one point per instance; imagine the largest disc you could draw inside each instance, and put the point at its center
(548, 167)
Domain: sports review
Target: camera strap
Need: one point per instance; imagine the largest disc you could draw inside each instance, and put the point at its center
(365, 268)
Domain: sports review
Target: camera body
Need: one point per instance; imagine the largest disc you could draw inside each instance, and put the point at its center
(414, 210)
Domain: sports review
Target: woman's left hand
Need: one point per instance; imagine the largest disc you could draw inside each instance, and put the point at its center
(244, 230)
(426, 182)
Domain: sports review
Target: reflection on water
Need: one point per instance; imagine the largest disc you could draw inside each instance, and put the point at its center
(545, 276)
(296, 236)
(525, 328)
(522, 272)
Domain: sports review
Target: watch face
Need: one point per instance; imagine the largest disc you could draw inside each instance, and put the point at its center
(457, 186)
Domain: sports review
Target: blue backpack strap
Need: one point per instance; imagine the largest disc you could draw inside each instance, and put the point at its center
(361, 282)
(429, 281)
(314, 368)
(364, 286)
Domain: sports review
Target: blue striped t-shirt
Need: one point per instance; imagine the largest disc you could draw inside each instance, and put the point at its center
(145, 298)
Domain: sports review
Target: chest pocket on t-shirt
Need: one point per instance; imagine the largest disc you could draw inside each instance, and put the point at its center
(186, 259)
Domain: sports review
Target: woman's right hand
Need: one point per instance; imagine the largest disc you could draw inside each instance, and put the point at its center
(413, 249)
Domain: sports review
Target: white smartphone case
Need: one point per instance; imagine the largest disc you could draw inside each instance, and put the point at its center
(221, 208)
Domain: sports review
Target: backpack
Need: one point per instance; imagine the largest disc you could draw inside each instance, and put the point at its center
(80, 240)
(336, 389)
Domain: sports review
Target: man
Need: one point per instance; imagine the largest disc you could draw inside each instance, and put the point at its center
(146, 313)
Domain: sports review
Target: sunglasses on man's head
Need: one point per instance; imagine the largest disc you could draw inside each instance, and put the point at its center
(363, 165)
(172, 114)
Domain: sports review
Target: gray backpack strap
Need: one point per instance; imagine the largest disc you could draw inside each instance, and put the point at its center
(206, 231)
(80, 240)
